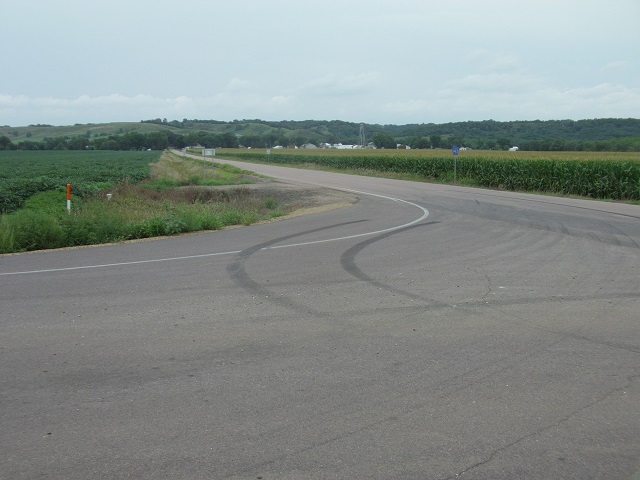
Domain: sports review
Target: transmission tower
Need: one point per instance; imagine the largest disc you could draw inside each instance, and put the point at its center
(361, 140)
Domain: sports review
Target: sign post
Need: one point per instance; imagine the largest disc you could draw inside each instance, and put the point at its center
(455, 150)
(68, 199)
(207, 152)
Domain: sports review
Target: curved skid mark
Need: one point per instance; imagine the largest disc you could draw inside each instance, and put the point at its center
(238, 274)
(347, 260)
(424, 215)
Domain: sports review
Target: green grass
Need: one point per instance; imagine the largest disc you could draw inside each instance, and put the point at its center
(176, 200)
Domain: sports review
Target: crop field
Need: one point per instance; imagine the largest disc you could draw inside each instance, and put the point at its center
(147, 198)
(600, 175)
(25, 173)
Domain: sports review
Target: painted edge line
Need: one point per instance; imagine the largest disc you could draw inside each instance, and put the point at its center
(135, 262)
(425, 214)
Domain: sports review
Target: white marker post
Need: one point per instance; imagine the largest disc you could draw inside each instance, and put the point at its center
(68, 199)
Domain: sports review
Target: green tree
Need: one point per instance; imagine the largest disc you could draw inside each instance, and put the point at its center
(420, 143)
(436, 141)
(299, 140)
(132, 141)
(5, 142)
(382, 140)
(157, 140)
(78, 143)
(270, 139)
(503, 143)
(209, 140)
(229, 140)
(456, 140)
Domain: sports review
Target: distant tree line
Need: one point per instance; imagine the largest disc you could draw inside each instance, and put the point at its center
(518, 131)
(185, 123)
(164, 139)
(127, 141)
(554, 135)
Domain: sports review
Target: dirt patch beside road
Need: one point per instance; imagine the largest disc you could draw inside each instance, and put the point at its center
(296, 199)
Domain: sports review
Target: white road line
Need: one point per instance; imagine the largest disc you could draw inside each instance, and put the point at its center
(135, 262)
(425, 214)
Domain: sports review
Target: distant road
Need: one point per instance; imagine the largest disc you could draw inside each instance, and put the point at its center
(427, 332)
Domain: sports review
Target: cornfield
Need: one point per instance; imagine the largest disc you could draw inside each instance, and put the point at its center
(601, 175)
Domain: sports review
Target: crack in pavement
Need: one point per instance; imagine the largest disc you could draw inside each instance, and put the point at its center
(560, 421)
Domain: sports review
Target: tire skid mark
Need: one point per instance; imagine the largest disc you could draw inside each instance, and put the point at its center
(238, 273)
(347, 261)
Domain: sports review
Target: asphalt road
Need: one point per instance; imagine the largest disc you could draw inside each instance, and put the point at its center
(427, 332)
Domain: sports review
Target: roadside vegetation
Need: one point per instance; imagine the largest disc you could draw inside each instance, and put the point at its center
(597, 175)
(124, 195)
(170, 195)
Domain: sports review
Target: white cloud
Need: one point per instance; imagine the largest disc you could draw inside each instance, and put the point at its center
(339, 85)
(544, 102)
(494, 82)
(491, 62)
(606, 100)
(8, 101)
(282, 100)
(237, 85)
(615, 66)
(410, 107)
(105, 108)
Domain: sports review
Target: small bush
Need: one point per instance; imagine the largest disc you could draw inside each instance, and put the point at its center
(231, 217)
(34, 231)
(270, 203)
(249, 217)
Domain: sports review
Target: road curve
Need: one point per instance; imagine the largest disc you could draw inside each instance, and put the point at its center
(428, 331)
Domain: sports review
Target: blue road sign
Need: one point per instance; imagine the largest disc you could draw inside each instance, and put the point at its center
(455, 151)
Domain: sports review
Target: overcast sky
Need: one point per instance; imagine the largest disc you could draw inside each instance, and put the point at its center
(373, 61)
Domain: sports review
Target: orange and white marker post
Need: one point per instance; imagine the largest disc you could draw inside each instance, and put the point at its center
(68, 199)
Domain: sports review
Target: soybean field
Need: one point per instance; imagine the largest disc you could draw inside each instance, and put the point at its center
(25, 173)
